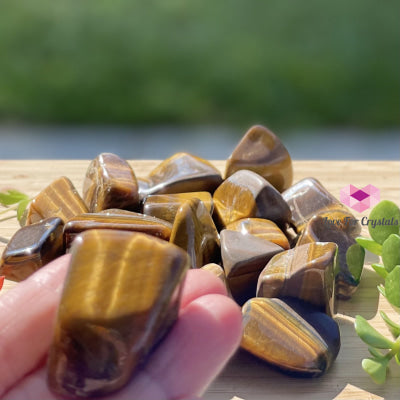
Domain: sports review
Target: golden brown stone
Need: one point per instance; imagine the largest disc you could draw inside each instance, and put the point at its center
(305, 272)
(194, 231)
(243, 258)
(262, 228)
(182, 173)
(218, 271)
(276, 333)
(246, 194)
(262, 152)
(133, 222)
(165, 206)
(110, 183)
(32, 247)
(121, 297)
(59, 199)
(309, 197)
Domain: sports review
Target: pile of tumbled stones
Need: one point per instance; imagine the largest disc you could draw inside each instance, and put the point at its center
(132, 240)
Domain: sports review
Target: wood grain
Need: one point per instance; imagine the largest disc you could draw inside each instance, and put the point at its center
(244, 376)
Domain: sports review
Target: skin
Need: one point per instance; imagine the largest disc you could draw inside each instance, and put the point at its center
(205, 336)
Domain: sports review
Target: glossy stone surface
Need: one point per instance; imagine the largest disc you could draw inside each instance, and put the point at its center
(305, 272)
(318, 230)
(309, 197)
(133, 222)
(276, 333)
(165, 206)
(262, 228)
(194, 231)
(110, 183)
(243, 258)
(217, 270)
(32, 247)
(59, 199)
(182, 173)
(246, 194)
(262, 152)
(121, 297)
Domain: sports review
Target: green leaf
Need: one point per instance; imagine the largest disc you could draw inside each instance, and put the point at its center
(11, 196)
(381, 290)
(384, 220)
(21, 208)
(392, 286)
(370, 245)
(376, 368)
(355, 260)
(397, 358)
(375, 353)
(370, 335)
(380, 270)
(391, 252)
(393, 327)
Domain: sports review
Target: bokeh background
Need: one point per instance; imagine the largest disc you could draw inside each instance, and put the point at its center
(145, 79)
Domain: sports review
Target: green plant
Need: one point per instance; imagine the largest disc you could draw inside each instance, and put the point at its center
(383, 226)
(13, 200)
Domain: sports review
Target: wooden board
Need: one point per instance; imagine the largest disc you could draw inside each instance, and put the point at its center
(246, 377)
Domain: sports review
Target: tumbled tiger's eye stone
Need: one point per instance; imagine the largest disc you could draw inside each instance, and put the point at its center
(262, 228)
(110, 183)
(276, 333)
(308, 197)
(59, 199)
(182, 173)
(194, 231)
(120, 298)
(243, 258)
(305, 272)
(133, 222)
(262, 152)
(217, 270)
(246, 194)
(318, 230)
(31, 247)
(165, 206)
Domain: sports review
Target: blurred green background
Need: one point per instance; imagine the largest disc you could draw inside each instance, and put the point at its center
(288, 62)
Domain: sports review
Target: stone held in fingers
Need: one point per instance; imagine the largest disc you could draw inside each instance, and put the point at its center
(183, 172)
(261, 151)
(243, 258)
(32, 247)
(262, 228)
(121, 297)
(305, 272)
(218, 271)
(246, 194)
(195, 232)
(123, 221)
(165, 206)
(110, 183)
(59, 199)
(276, 333)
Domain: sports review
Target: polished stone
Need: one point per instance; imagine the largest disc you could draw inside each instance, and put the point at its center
(305, 272)
(261, 151)
(165, 206)
(243, 258)
(59, 199)
(194, 231)
(110, 183)
(133, 222)
(262, 228)
(318, 230)
(121, 297)
(246, 194)
(217, 270)
(309, 197)
(182, 173)
(276, 333)
(32, 247)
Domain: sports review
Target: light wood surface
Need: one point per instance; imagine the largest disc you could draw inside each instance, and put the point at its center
(245, 376)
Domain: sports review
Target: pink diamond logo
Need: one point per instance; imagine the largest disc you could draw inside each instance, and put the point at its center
(360, 199)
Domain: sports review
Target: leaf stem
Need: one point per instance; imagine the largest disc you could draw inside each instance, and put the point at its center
(10, 208)
(7, 218)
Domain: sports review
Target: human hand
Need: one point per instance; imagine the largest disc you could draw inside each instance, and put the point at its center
(205, 335)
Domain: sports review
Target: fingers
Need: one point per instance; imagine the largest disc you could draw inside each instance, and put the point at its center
(27, 315)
